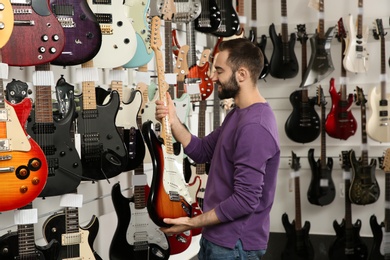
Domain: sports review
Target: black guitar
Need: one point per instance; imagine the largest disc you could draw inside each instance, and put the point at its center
(52, 134)
(380, 249)
(298, 246)
(364, 187)
(103, 153)
(263, 42)
(21, 244)
(76, 242)
(303, 124)
(321, 190)
(230, 23)
(209, 19)
(283, 63)
(320, 64)
(348, 243)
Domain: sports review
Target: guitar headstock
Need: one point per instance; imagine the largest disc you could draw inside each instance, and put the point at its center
(181, 67)
(345, 160)
(294, 162)
(320, 97)
(341, 33)
(378, 31)
(359, 97)
(301, 33)
(156, 41)
(386, 161)
(168, 10)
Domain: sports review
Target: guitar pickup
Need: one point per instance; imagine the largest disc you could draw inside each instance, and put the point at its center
(71, 239)
(174, 196)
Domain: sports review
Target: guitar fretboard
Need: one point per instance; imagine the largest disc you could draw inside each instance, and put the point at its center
(26, 239)
(88, 86)
(43, 103)
(284, 24)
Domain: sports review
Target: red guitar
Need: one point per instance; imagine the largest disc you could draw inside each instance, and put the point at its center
(37, 37)
(23, 163)
(340, 123)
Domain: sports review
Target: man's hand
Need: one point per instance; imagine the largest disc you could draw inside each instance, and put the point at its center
(179, 225)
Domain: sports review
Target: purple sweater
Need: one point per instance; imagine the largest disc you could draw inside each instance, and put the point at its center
(244, 154)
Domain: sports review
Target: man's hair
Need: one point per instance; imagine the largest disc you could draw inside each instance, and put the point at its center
(243, 53)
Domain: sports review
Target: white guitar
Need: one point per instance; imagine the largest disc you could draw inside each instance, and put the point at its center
(356, 55)
(119, 41)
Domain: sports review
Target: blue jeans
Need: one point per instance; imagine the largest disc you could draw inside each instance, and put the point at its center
(211, 251)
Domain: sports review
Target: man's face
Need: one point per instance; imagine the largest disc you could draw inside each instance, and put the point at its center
(225, 78)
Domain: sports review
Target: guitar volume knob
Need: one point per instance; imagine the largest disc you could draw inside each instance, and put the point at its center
(55, 37)
(42, 49)
(45, 38)
(53, 50)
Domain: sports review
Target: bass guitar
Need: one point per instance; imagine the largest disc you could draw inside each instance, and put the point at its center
(321, 190)
(303, 124)
(320, 63)
(348, 243)
(298, 246)
(24, 165)
(263, 42)
(21, 244)
(103, 153)
(169, 196)
(283, 63)
(364, 187)
(380, 247)
(119, 40)
(53, 135)
(82, 31)
(37, 38)
(6, 21)
(340, 122)
(230, 23)
(76, 242)
(209, 19)
(356, 54)
(378, 127)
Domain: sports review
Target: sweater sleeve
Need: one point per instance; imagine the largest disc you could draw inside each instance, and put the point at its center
(254, 147)
(201, 149)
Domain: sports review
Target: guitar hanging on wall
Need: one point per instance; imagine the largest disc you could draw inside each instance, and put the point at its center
(320, 63)
(298, 244)
(283, 63)
(321, 190)
(303, 124)
(340, 122)
(209, 19)
(378, 125)
(6, 21)
(348, 243)
(230, 23)
(364, 187)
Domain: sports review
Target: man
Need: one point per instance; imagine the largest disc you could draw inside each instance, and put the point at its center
(244, 154)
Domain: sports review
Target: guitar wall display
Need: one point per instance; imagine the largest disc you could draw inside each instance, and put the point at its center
(340, 122)
(378, 127)
(298, 244)
(303, 124)
(321, 190)
(320, 63)
(6, 21)
(283, 62)
(348, 243)
(364, 186)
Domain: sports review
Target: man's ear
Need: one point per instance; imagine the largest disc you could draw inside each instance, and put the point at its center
(242, 74)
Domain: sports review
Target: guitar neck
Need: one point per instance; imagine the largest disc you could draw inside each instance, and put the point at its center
(26, 240)
(304, 58)
(348, 208)
(43, 102)
(298, 216)
(387, 199)
(168, 46)
(383, 71)
(190, 39)
(88, 87)
(284, 24)
(200, 168)
(254, 16)
(321, 22)
(360, 20)
(364, 157)
(72, 220)
(323, 137)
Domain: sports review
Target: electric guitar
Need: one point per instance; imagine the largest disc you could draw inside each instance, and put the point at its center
(380, 247)
(103, 153)
(230, 23)
(320, 63)
(348, 243)
(76, 242)
(378, 125)
(364, 187)
(303, 124)
(24, 165)
(6, 21)
(37, 38)
(321, 190)
(53, 136)
(169, 196)
(340, 122)
(119, 40)
(356, 54)
(186, 11)
(82, 32)
(262, 44)
(21, 244)
(209, 19)
(283, 63)
(137, 12)
(298, 244)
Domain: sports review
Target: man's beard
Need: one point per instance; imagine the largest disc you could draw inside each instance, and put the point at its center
(229, 89)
